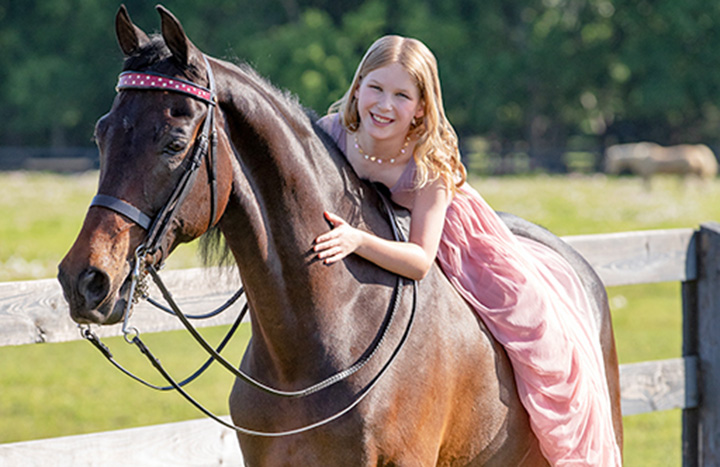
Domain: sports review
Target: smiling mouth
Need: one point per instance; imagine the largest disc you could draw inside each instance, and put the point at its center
(380, 119)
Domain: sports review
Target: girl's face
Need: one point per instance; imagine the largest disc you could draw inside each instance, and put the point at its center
(387, 101)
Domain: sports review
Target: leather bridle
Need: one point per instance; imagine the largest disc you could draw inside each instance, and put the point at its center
(205, 143)
(157, 228)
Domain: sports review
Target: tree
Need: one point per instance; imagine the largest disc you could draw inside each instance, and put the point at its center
(538, 75)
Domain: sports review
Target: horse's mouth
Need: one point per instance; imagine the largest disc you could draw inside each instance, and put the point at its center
(119, 304)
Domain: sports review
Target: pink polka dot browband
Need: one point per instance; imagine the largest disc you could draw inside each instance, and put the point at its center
(135, 80)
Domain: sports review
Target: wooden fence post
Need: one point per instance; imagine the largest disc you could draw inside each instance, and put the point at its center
(690, 422)
(708, 343)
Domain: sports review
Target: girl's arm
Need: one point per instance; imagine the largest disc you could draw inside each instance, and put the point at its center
(411, 259)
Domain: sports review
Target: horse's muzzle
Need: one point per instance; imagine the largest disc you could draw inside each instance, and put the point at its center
(90, 296)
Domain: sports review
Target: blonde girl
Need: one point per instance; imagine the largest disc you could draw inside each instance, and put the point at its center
(392, 128)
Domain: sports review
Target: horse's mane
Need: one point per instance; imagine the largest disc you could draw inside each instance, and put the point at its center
(287, 97)
(156, 55)
(212, 247)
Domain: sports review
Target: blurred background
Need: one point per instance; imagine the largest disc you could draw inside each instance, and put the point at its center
(529, 85)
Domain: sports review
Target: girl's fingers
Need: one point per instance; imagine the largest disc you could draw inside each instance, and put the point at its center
(326, 241)
(324, 247)
(329, 246)
(335, 258)
(335, 220)
(330, 253)
(322, 239)
(332, 234)
(327, 249)
(327, 236)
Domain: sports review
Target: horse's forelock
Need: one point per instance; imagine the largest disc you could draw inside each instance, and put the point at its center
(156, 56)
(150, 54)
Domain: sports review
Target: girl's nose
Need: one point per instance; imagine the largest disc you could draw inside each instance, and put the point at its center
(384, 102)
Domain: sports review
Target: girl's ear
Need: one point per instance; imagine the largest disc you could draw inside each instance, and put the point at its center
(420, 112)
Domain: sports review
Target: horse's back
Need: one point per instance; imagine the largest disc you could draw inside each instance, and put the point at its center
(459, 390)
(466, 372)
(647, 159)
(701, 159)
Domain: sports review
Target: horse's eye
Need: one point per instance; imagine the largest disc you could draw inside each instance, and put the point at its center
(181, 111)
(175, 147)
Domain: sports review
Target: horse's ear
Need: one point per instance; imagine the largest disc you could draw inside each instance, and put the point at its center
(175, 38)
(130, 37)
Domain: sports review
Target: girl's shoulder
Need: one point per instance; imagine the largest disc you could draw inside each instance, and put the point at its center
(332, 126)
(326, 122)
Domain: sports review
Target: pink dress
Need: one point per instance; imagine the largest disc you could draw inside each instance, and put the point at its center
(533, 303)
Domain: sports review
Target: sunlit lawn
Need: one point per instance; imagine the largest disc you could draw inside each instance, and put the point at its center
(61, 389)
(40, 216)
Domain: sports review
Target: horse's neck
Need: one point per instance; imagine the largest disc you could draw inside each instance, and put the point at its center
(285, 173)
(285, 178)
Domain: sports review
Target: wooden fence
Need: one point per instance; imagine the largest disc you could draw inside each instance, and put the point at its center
(34, 312)
(77, 159)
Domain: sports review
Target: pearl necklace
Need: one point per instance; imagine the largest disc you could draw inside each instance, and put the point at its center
(377, 159)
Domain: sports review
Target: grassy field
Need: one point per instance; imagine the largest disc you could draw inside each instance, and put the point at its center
(62, 389)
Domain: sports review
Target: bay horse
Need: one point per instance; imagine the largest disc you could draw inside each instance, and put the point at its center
(447, 398)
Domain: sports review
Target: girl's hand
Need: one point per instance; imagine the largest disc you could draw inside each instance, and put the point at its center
(341, 241)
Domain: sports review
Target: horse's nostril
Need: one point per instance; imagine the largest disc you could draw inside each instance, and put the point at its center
(93, 286)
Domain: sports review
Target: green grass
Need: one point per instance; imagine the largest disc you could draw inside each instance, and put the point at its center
(576, 205)
(69, 388)
(62, 389)
(41, 216)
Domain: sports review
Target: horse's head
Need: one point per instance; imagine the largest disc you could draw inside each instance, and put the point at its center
(148, 145)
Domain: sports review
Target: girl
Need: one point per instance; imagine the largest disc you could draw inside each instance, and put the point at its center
(392, 128)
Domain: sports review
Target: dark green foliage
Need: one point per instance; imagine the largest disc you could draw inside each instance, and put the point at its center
(544, 72)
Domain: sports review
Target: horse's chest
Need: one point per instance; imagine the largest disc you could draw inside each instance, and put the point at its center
(300, 451)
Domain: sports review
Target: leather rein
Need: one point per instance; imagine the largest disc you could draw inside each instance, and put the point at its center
(157, 227)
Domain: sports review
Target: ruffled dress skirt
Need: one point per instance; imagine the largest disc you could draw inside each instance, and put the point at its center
(533, 303)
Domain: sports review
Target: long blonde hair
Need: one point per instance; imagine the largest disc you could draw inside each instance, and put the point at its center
(436, 151)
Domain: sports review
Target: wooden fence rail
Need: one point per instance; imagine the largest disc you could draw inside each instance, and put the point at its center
(35, 311)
